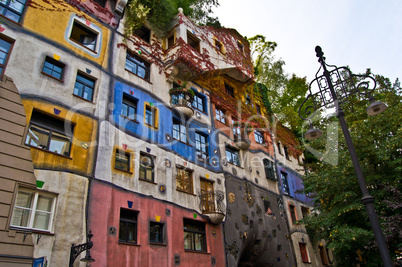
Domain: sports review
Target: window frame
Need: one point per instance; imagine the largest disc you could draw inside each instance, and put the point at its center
(195, 44)
(128, 221)
(162, 239)
(182, 182)
(33, 209)
(199, 147)
(269, 169)
(145, 32)
(139, 63)
(232, 152)
(78, 23)
(220, 115)
(151, 110)
(285, 150)
(293, 213)
(209, 199)
(259, 137)
(193, 232)
(177, 129)
(7, 53)
(56, 63)
(304, 253)
(196, 102)
(85, 85)
(229, 90)
(285, 184)
(119, 151)
(44, 123)
(132, 103)
(145, 168)
(6, 7)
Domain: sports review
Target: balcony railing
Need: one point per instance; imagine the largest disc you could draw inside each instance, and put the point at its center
(212, 204)
(181, 100)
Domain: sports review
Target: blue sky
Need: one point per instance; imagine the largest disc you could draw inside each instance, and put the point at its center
(359, 33)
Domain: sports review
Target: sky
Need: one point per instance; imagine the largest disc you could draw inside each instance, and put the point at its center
(360, 34)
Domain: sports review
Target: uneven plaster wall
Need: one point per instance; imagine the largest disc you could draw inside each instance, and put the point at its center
(69, 223)
(256, 231)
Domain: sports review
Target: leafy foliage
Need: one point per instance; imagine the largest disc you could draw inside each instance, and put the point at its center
(342, 219)
(159, 13)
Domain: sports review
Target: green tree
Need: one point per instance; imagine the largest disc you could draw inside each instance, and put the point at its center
(341, 219)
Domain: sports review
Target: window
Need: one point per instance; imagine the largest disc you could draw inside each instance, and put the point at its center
(279, 148)
(269, 169)
(170, 41)
(220, 116)
(207, 196)
(305, 211)
(156, 232)
(138, 66)
(284, 177)
(84, 86)
(33, 210)
(229, 90)
(184, 180)
(199, 102)
(219, 46)
(128, 226)
(12, 9)
(232, 156)
(236, 131)
(129, 107)
(286, 152)
(122, 160)
(51, 134)
(146, 168)
(201, 146)
(304, 253)
(84, 36)
(179, 131)
(240, 46)
(144, 33)
(292, 211)
(53, 68)
(193, 41)
(5, 48)
(323, 255)
(259, 138)
(194, 235)
(150, 116)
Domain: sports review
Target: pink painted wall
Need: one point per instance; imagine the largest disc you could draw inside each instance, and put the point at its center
(105, 202)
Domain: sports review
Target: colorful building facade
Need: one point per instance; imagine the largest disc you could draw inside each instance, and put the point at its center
(144, 140)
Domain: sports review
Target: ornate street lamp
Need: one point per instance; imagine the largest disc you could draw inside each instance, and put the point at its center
(334, 88)
(76, 250)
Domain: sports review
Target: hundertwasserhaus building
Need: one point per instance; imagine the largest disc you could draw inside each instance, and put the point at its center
(158, 145)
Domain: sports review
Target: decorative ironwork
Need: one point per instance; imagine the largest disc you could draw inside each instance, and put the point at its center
(76, 250)
(212, 204)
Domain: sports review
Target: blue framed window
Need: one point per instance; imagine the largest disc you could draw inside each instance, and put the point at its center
(232, 156)
(53, 68)
(199, 102)
(201, 146)
(84, 87)
(138, 66)
(12, 9)
(129, 107)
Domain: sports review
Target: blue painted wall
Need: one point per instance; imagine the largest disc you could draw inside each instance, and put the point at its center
(164, 126)
(295, 183)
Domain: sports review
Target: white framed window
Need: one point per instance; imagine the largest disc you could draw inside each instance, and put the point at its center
(33, 210)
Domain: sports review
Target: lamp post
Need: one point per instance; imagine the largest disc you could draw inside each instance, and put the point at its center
(76, 250)
(334, 88)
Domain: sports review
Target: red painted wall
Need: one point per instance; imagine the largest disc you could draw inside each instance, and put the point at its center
(105, 202)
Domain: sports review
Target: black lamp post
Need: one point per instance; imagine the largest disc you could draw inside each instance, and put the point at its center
(334, 87)
(76, 250)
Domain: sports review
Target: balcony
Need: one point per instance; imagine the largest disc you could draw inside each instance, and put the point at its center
(212, 205)
(181, 101)
(242, 143)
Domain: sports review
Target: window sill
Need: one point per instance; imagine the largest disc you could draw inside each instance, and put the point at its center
(148, 181)
(18, 23)
(150, 126)
(31, 231)
(77, 96)
(157, 244)
(179, 190)
(125, 171)
(196, 251)
(148, 81)
(47, 151)
(83, 46)
(182, 142)
(203, 112)
(127, 118)
(235, 165)
(44, 73)
(129, 244)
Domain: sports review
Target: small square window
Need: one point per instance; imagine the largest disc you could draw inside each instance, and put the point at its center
(220, 115)
(232, 156)
(199, 102)
(53, 68)
(84, 36)
(84, 86)
(194, 235)
(12, 9)
(156, 232)
(138, 66)
(184, 180)
(146, 168)
(193, 41)
(144, 33)
(129, 107)
(128, 226)
(259, 137)
(122, 160)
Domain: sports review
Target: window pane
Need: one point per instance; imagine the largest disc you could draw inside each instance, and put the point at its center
(24, 199)
(188, 241)
(78, 89)
(41, 220)
(88, 93)
(37, 137)
(44, 203)
(59, 144)
(21, 217)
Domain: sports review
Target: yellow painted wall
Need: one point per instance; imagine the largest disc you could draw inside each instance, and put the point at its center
(81, 160)
(52, 22)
